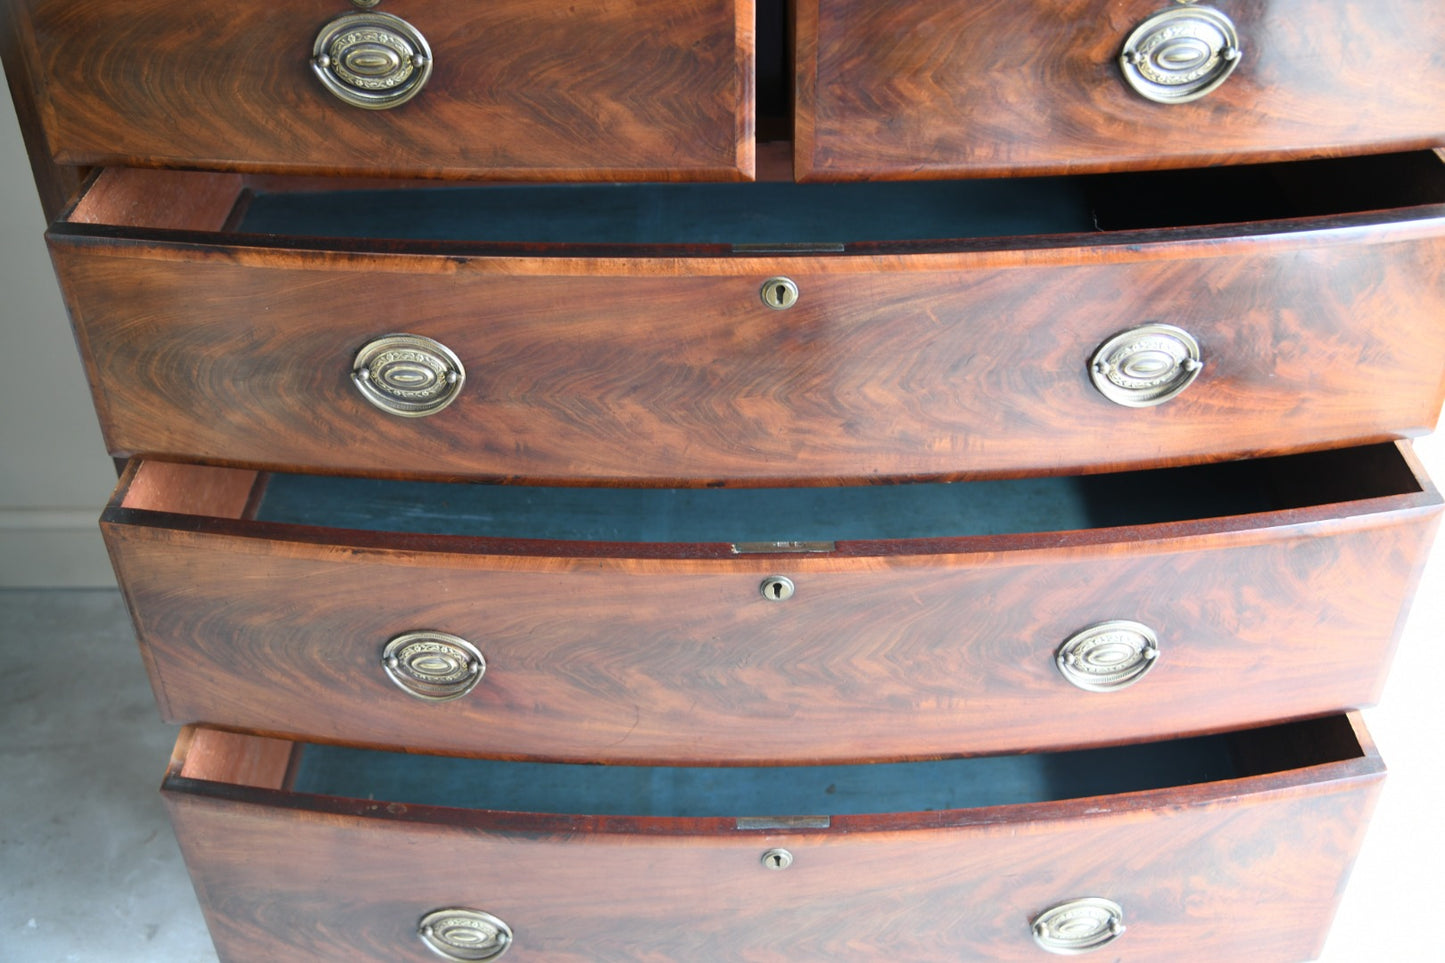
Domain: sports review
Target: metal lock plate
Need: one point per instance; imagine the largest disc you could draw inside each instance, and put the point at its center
(1180, 54)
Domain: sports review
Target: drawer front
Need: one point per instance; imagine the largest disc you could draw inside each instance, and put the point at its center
(1245, 868)
(674, 370)
(686, 652)
(967, 89)
(643, 89)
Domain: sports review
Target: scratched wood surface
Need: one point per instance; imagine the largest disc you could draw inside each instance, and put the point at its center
(1001, 87)
(604, 89)
(1242, 869)
(902, 648)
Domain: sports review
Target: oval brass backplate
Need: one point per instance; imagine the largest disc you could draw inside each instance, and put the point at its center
(1146, 365)
(464, 935)
(408, 375)
(1180, 54)
(1108, 656)
(433, 666)
(371, 60)
(1079, 925)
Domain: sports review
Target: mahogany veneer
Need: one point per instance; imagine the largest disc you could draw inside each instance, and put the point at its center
(896, 648)
(1008, 87)
(1238, 868)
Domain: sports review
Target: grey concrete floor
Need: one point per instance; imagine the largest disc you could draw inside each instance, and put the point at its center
(89, 869)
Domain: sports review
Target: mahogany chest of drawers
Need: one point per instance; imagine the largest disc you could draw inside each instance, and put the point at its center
(712, 479)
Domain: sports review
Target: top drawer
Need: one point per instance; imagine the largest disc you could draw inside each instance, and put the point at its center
(624, 89)
(989, 87)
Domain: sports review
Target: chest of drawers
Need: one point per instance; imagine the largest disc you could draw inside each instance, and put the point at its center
(705, 480)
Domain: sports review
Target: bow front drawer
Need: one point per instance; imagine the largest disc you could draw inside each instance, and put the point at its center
(758, 333)
(1004, 87)
(638, 89)
(1224, 847)
(755, 625)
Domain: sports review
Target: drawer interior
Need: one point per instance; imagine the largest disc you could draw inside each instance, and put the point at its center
(762, 217)
(775, 518)
(760, 793)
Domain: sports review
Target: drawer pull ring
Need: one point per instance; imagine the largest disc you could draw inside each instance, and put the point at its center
(1180, 54)
(1079, 925)
(433, 666)
(464, 934)
(408, 375)
(1108, 656)
(1146, 366)
(371, 60)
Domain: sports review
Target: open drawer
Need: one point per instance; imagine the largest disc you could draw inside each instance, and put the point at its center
(1230, 847)
(641, 332)
(767, 625)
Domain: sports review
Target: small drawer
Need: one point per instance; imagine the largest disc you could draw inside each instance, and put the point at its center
(768, 625)
(762, 333)
(647, 89)
(1230, 847)
(912, 90)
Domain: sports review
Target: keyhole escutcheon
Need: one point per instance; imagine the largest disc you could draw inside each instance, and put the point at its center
(777, 859)
(780, 293)
(777, 588)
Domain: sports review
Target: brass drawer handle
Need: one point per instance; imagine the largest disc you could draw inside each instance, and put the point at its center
(408, 375)
(371, 60)
(433, 666)
(1079, 925)
(464, 934)
(1146, 365)
(1180, 54)
(1108, 656)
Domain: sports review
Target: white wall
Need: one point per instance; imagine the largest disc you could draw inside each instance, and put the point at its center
(54, 473)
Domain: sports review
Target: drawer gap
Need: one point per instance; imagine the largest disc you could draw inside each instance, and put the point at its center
(762, 214)
(780, 792)
(745, 218)
(743, 517)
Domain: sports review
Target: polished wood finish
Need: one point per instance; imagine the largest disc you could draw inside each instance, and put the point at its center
(965, 362)
(56, 184)
(1245, 868)
(644, 89)
(1007, 87)
(908, 648)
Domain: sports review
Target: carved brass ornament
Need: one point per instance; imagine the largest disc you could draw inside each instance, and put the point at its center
(371, 60)
(1180, 54)
(1079, 926)
(408, 375)
(1146, 366)
(433, 666)
(464, 935)
(1108, 656)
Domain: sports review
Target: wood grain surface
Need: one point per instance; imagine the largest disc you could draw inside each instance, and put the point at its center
(909, 648)
(1234, 870)
(1002, 87)
(602, 89)
(671, 369)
